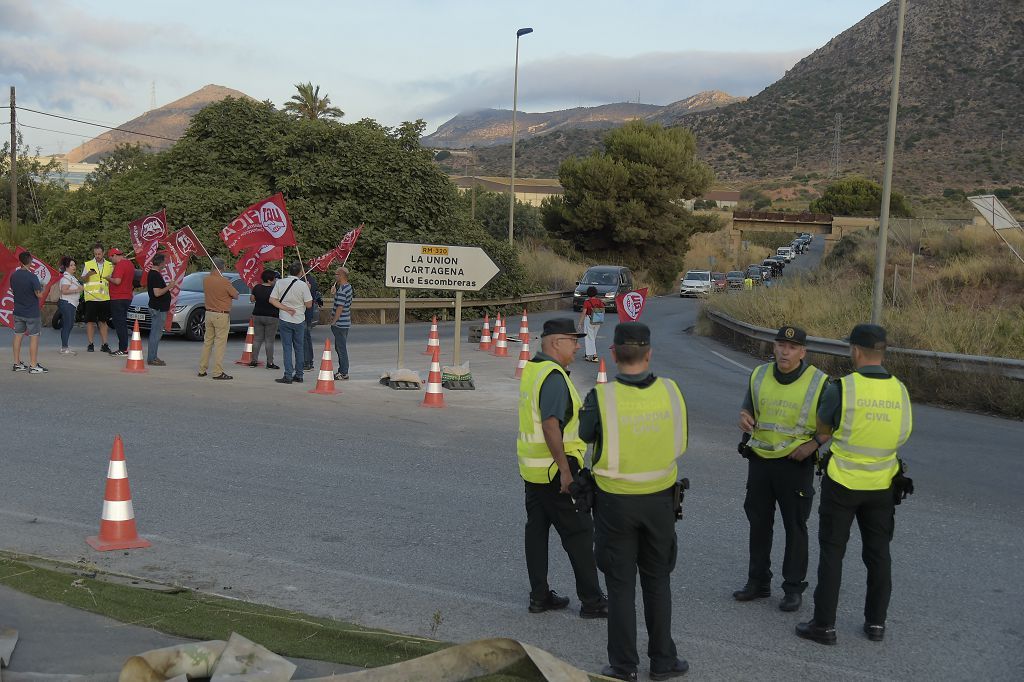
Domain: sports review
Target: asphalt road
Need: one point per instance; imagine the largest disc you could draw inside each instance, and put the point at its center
(364, 506)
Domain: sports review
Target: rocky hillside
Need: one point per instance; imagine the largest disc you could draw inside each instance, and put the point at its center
(961, 114)
(169, 121)
(490, 127)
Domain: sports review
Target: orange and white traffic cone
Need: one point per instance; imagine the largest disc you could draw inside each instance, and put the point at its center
(136, 363)
(485, 335)
(524, 327)
(433, 340)
(247, 358)
(524, 351)
(117, 522)
(435, 393)
(602, 373)
(501, 345)
(325, 380)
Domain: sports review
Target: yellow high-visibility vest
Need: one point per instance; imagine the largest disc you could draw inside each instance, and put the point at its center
(643, 433)
(536, 465)
(875, 421)
(97, 288)
(785, 413)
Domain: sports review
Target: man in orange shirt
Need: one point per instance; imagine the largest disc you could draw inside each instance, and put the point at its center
(219, 294)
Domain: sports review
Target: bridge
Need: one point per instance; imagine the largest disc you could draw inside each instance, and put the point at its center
(831, 227)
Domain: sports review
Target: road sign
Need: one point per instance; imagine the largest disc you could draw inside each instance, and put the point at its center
(431, 266)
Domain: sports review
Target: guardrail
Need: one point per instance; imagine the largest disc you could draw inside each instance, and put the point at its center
(1009, 368)
(385, 304)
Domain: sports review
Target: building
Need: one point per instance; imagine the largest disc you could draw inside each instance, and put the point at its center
(528, 190)
(723, 198)
(72, 173)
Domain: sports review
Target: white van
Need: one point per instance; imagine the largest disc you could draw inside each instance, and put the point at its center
(786, 252)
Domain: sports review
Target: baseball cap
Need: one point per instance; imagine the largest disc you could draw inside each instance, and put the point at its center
(792, 334)
(632, 334)
(868, 336)
(561, 325)
(115, 252)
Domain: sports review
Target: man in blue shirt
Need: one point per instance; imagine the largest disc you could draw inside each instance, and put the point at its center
(28, 292)
(342, 320)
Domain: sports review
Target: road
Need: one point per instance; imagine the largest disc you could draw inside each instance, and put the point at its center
(365, 507)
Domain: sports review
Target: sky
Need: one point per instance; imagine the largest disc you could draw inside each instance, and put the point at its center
(395, 61)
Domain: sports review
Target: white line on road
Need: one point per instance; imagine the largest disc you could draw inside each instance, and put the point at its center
(731, 361)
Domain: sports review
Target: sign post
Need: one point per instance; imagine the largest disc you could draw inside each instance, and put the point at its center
(435, 266)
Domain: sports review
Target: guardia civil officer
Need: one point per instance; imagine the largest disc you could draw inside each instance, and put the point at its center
(779, 412)
(638, 426)
(868, 415)
(550, 455)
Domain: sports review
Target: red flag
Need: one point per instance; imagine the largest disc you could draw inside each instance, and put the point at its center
(271, 252)
(631, 305)
(323, 262)
(146, 234)
(6, 301)
(47, 275)
(340, 252)
(265, 222)
(8, 261)
(185, 243)
(250, 267)
(174, 266)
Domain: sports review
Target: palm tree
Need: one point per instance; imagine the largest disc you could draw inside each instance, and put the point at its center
(308, 104)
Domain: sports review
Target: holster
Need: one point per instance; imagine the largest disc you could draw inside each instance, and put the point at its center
(902, 485)
(678, 493)
(743, 448)
(582, 490)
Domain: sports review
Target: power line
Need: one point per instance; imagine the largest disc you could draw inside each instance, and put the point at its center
(98, 125)
(49, 130)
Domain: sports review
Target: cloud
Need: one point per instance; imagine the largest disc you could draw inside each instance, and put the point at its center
(657, 77)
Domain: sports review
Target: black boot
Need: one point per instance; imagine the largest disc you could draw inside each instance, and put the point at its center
(550, 602)
(791, 602)
(822, 634)
(751, 592)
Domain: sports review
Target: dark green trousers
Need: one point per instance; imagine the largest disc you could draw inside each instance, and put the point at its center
(636, 533)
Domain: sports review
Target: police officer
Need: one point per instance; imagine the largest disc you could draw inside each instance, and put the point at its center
(779, 412)
(638, 426)
(868, 415)
(550, 455)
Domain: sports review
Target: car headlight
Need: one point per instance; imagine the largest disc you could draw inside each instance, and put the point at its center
(611, 295)
(577, 294)
(178, 309)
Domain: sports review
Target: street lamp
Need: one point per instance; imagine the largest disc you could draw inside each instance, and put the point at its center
(512, 179)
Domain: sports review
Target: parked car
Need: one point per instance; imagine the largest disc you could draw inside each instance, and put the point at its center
(719, 281)
(609, 280)
(798, 245)
(807, 236)
(190, 310)
(773, 265)
(754, 273)
(734, 279)
(695, 283)
(786, 252)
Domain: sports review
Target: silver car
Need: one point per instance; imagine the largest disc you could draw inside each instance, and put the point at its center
(190, 309)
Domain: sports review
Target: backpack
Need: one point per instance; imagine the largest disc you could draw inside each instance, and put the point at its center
(597, 315)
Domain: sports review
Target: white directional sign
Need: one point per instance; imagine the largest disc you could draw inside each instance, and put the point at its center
(432, 266)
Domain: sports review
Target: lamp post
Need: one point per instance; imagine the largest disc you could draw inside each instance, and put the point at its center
(512, 179)
(890, 143)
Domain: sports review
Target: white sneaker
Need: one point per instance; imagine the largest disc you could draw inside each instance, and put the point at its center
(38, 369)
(20, 367)
(67, 351)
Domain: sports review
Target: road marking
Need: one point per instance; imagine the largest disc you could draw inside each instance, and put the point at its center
(731, 361)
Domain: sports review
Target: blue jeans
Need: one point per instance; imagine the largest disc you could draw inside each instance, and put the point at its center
(67, 321)
(341, 345)
(156, 332)
(312, 313)
(292, 337)
(119, 313)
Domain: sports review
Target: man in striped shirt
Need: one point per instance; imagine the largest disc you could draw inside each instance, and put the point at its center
(342, 319)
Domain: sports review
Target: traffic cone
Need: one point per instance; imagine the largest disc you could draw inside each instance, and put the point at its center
(524, 327)
(247, 358)
(485, 335)
(136, 363)
(325, 380)
(435, 394)
(602, 373)
(117, 522)
(524, 350)
(501, 345)
(433, 341)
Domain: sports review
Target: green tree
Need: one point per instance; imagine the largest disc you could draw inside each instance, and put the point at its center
(40, 183)
(491, 213)
(307, 103)
(627, 199)
(857, 196)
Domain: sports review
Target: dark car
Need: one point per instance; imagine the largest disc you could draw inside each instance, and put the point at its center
(609, 280)
(734, 279)
(755, 272)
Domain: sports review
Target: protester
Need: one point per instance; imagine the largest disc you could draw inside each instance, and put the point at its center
(219, 293)
(292, 297)
(70, 293)
(28, 292)
(265, 318)
(312, 315)
(159, 306)
(591, 318)
(342, 320)
(121, 287)
(96, 274)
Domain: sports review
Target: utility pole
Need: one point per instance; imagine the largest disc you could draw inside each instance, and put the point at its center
(14, 164)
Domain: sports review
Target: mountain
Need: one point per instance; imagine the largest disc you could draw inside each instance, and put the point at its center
(961, 106)
(168, 121)
(490, 127)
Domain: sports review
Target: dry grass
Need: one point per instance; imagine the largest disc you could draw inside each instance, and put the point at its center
(548, 271)
(718, 245)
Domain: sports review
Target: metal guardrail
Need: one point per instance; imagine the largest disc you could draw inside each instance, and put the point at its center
(1009, 368)
(385, 304)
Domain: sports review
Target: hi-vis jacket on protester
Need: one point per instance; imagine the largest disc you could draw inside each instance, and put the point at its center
(784, 413)
(875, 421)
(536, 464)
(643, 434)
(97, 288)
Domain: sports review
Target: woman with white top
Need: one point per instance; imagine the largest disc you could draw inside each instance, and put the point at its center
(70, 292)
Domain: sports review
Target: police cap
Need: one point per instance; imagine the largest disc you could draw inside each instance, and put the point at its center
(868, 336)
(632, 334)
(561, 325)
(792, 334)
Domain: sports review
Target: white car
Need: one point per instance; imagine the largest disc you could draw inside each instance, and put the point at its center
(786, 252)
(695, 283)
